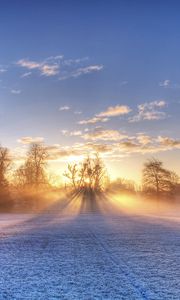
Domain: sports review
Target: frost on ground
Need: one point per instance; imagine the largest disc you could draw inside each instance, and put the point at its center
(91, 253)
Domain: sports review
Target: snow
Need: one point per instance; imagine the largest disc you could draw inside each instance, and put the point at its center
(89, 254)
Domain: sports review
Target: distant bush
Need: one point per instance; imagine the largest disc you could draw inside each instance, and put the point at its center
(122, 185)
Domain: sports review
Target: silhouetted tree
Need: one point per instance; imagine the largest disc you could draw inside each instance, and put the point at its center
(5, 162)
(90, 175)
(157, 179)
(72, 175)
(32, 173)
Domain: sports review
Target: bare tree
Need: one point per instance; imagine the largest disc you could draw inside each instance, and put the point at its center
(5, 162)
(33, 172)
(87, 176)
(71, 174)
(157, 179)
(99, 174)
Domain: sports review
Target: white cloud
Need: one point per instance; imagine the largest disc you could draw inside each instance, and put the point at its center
(144, 139)
(111, 144)
(30, 140)
(104, 116)
(3, 70)
(44, 68)
(55, 58)
(151, 105)
(76, 133)
(166, 83)
(149, 111)
(29, 64)
(57, 65)
(169, 142)
(64, 108)
(71, 133)
(49, 70)
(16, 92)
(64, 132)
(26, 74)
(81, 71)
(78, 112)
(112, 149)
(114, 111)
(104, 134)
(87, 70)
(93, 120)
(70, 62)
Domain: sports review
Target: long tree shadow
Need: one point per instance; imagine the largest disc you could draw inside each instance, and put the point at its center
(44, 218)
(89, 203)
(60, 213)
(92, 236)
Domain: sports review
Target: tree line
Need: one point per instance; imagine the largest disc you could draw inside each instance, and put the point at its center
(88, 176)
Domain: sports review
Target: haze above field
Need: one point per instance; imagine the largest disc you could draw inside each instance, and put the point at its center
(91, 77)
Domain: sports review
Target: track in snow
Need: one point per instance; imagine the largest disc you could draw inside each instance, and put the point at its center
(89, 255)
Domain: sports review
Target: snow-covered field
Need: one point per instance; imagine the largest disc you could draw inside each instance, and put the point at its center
(89, 253)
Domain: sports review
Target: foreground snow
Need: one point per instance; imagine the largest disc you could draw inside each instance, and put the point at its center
(89, 255)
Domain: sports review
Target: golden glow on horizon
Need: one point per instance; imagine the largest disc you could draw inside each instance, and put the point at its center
(75, 158)
(114, 169)
(127, 167)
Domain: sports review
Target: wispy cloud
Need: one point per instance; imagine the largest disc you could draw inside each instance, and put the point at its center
(149, 111)
(169, 84)
(87, 70)
(113, 149)
(76, 61)
(112, 111)
(144, 139)
(165, 83)
(104, 134)
(57, 65)
(71, 133)
(49, 70)
(81, 71)
(64, 108)
(55, 58)
(122, 83)
(77, 112)
(26, 74)
(93, 120)
(2, 69)
(43, 67)
(29, 64)
(16, 92)
(169, 142)
(30, 140)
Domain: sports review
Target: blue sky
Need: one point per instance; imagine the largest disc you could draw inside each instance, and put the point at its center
(64, 62)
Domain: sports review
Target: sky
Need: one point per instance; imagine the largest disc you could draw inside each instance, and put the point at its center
(86, 76)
